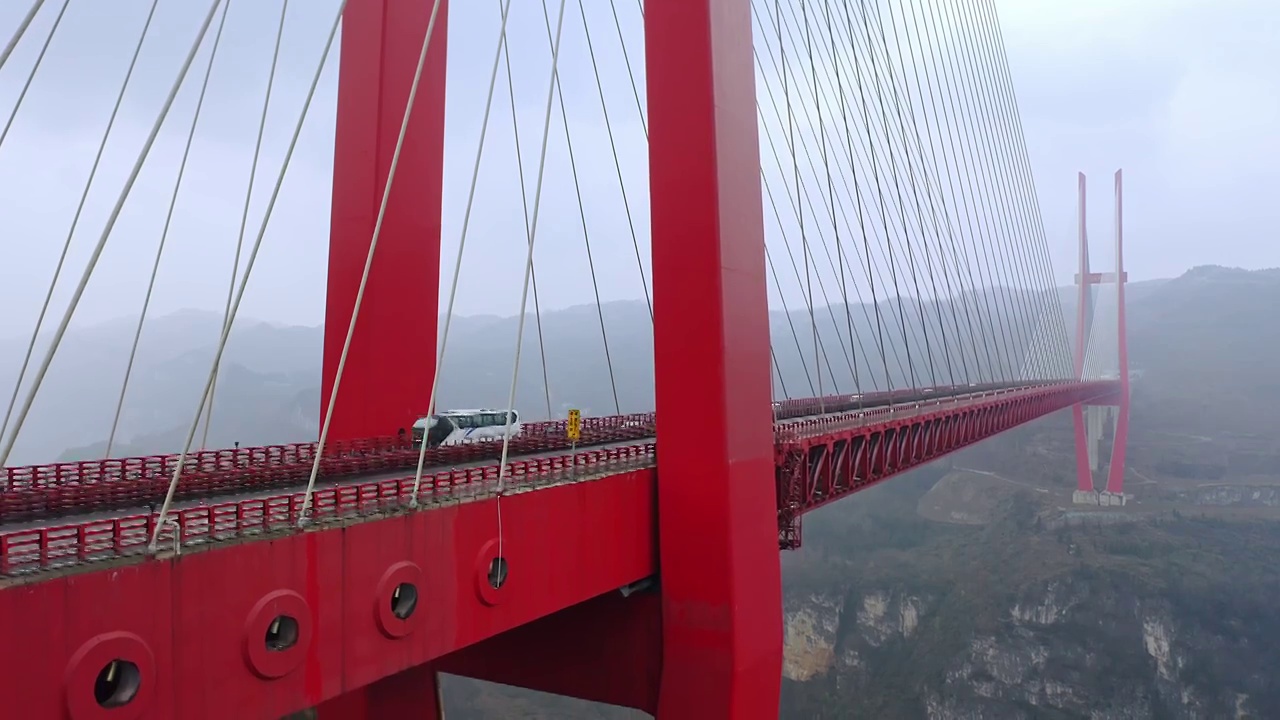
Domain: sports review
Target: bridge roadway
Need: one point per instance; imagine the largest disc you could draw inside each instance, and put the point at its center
(47, 544)
(40, 493)
(37, 544)
(267, 493)
(875, 413)
(75, 488)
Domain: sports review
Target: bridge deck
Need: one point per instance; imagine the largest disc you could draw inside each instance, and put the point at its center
(110, 534)
(38, 544)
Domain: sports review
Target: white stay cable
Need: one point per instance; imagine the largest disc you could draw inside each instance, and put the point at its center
(34, 68)
(17, 34)
(528, 271)
(75, 220)
(1024, 368)
(1107, 358)
(524, 204)
(1028, 358)
(368, 263)
(1093, 363)
(1057, 337)
(1091, 348)
(613, 146)
(106, 233)
(244, 215)
(1050, 355)
(1068, 357)
(1066, 363)
(528, 264)
(626, 59)
(462, 244)
(1043, 353)
(164, 234)
(244, 280)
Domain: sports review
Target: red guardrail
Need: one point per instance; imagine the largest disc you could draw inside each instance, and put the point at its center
(42, 548)
(66, 488)
(830, 404)
(50, 547)
(89, 471)
(787, 431)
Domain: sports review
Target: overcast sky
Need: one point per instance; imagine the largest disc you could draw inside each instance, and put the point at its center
(1182, 94)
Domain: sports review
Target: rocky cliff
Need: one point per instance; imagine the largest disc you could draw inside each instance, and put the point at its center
(1162, 616)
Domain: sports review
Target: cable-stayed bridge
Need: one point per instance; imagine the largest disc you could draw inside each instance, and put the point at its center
(856, 166)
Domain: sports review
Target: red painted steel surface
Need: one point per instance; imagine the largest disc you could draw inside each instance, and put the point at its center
(195, 624)
(389, 370)
(721, 581)
(75, 488)
(412, 693)
(824, 459)
(607, 650)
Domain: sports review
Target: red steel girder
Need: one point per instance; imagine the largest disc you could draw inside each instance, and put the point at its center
(194, 626)
(825, 459)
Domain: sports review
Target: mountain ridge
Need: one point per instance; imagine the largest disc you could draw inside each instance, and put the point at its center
(275, 368)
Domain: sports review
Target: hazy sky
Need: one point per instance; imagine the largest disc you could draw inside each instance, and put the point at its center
(1182, 94)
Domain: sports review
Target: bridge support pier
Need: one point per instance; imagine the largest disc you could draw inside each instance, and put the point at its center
(717, 510)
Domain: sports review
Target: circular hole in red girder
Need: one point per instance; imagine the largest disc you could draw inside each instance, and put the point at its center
(492, 574)
(112, 675)
(497, 572)
(400, 594)
(277, 633)
(404, 600)
(117, 684)
(282, 633)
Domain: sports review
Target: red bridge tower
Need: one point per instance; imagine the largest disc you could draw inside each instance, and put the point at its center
(1096, 357)
(709, 644)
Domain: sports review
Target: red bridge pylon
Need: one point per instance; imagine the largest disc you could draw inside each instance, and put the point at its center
(1101, 352)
